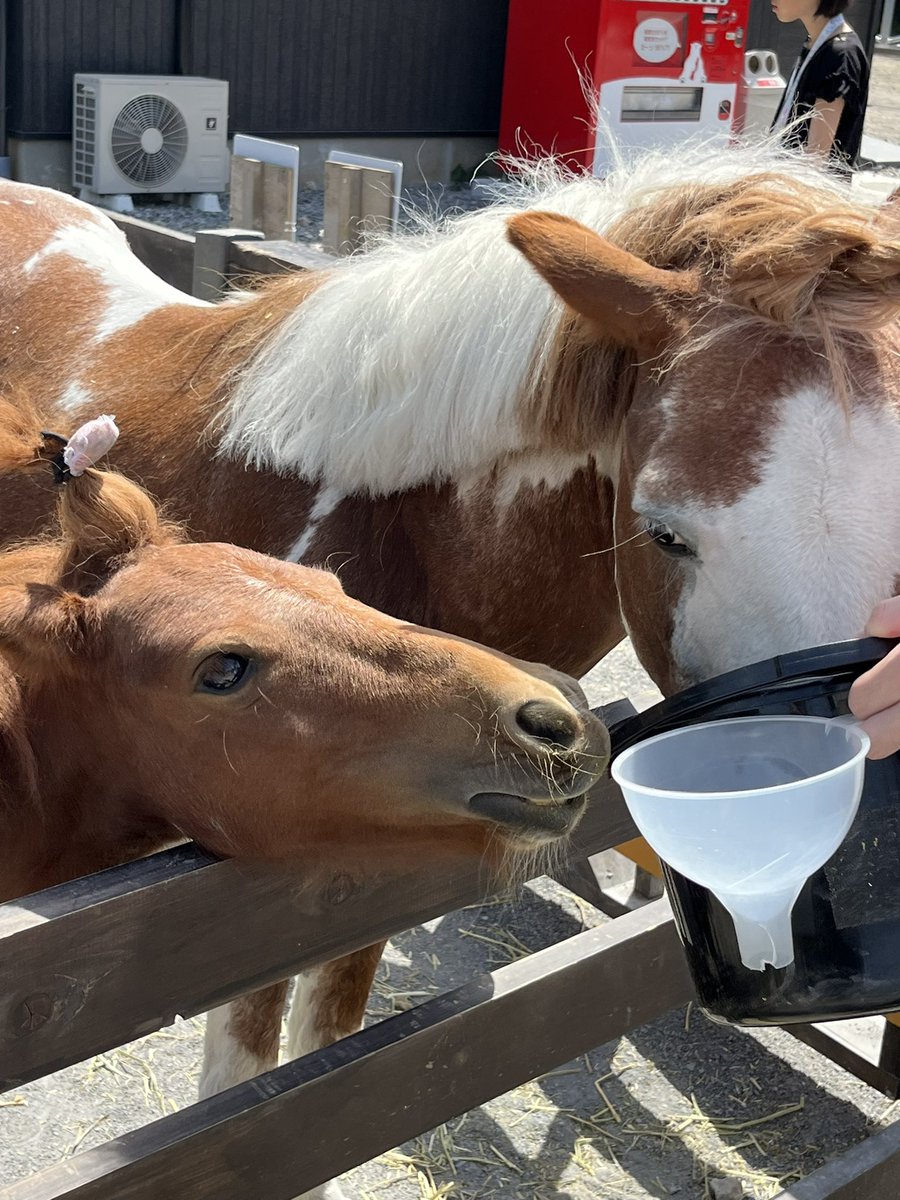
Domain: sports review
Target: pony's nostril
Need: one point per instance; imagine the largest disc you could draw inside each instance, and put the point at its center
(556, 724)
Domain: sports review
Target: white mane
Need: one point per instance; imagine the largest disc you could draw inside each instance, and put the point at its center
(408, 363)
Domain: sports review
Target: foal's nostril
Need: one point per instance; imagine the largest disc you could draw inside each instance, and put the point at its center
(554, 724)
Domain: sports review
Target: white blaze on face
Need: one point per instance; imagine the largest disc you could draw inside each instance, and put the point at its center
(804, 555)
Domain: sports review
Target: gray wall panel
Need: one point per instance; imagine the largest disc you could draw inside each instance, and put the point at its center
(352, 66)
(49, 40)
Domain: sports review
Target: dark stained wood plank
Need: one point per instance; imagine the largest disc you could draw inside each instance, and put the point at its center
(167, 252)
(297, 1126)
(881, 1075)
(170, 254)
(869, 1171)
(275, 258)
(93, 964)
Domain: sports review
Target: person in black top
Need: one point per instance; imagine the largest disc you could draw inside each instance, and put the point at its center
(824, 105)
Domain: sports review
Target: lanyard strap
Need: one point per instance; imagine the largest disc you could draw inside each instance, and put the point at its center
(787, 101)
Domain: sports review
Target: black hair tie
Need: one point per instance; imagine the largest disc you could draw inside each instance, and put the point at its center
(52, 450)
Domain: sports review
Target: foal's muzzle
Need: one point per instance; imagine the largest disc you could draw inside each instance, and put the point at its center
(559, 754)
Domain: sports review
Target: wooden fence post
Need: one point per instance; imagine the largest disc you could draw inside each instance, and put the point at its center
(278, 220)
(262, 196)
(211, 250)
(343, 189)
(376, 200)
(358, 200)
(246, 192)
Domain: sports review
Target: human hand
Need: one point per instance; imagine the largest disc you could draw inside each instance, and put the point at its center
(875, 696)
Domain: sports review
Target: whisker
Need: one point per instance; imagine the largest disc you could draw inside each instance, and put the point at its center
(476, 729)
(616, 545)
(227, 756)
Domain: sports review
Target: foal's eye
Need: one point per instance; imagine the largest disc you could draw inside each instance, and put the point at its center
(668, 540)
(222, 673)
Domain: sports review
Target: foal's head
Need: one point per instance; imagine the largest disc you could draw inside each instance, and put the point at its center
(252, 705)
(754, 431)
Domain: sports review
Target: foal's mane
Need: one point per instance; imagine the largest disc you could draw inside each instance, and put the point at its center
(410, 363)
(102, 519)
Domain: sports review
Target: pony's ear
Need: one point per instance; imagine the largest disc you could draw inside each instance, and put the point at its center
(43, 627)
(629, 300)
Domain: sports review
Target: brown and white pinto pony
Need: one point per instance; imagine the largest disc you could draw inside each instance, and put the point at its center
(709, 385)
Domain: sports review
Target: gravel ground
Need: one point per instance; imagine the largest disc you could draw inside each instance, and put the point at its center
(677, 1104)
(436, 198)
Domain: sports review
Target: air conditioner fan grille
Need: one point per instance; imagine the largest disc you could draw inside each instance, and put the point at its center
(149, 140)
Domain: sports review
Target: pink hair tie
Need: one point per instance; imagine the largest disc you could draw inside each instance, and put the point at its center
(89, 443)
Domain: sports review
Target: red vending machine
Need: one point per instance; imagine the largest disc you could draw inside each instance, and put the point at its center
(582, 73)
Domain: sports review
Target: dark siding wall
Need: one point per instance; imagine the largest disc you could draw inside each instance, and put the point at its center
(49, 40)
(765, 31)
(351, 66)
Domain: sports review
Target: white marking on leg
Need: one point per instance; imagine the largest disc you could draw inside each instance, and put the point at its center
(303, 1038)
(326, 501)
(226, 1061)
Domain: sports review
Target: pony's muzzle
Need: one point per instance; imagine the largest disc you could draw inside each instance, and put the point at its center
(551, 724)
(529, 817)
(560, 754)
(555, 731)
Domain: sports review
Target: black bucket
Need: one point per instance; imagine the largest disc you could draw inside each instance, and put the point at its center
(846, 921)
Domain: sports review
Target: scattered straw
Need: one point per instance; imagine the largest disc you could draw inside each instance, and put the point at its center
(84, 1131)
(510, 945)
(606, 1100)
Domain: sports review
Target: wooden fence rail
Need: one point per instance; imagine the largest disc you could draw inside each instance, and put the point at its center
(424, 1067)
(869, 1171)
(90, 965)
(173, 256)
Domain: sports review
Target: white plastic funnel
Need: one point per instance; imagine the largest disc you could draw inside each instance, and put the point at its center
(748, 808)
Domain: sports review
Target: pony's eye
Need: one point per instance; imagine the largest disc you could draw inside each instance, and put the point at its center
(222, 673)
(668, 540)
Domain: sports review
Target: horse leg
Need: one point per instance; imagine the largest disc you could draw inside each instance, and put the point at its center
(329, 1003)
(242, 1039)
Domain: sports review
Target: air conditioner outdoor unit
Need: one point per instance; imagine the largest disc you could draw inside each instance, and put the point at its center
(150, 133)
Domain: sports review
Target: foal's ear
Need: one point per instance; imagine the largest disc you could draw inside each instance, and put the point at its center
(629, 300)
(44, 627)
